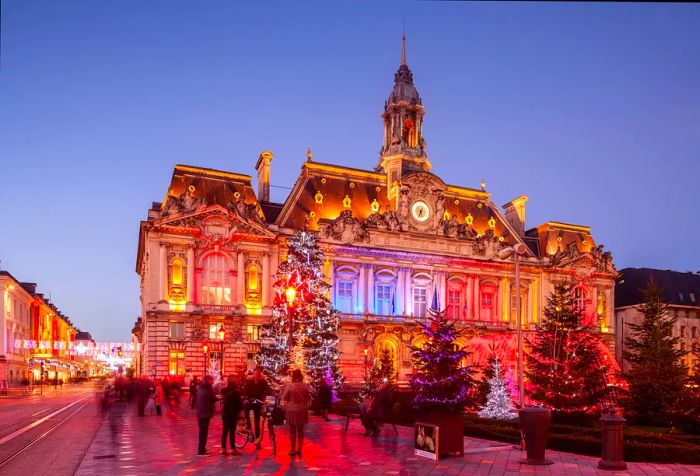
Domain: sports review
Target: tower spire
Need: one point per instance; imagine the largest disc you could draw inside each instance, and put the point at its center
(403, 48)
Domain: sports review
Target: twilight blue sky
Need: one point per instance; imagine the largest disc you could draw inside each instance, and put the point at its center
(593, 110)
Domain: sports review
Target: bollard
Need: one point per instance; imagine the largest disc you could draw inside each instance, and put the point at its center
(535, 423)
(612, 427)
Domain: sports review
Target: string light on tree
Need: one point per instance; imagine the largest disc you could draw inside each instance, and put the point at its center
(498, 400)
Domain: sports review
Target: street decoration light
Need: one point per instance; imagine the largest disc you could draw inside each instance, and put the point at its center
(222, 335)
(290, 295)
(516, 251)
(365, 351)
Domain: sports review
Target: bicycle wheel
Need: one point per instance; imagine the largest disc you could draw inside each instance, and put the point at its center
(243, 435)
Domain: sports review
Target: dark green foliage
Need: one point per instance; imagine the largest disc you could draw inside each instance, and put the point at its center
(440, 382)
(381, 371)
(657, 374)
(564, 363)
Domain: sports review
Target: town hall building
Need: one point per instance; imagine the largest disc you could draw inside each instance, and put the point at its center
(393, 237)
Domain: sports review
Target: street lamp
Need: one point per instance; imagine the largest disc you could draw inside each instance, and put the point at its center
(222, 335)
(516, 251)
(290, 294)
(366, 351)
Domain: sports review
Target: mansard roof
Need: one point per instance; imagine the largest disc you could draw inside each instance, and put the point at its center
(678, 288)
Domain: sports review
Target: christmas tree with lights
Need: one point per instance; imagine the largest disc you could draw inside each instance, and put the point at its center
(440, 382)
(498, 404)
(302, 298)
(565, 365)
(657, 375)
(381, 372)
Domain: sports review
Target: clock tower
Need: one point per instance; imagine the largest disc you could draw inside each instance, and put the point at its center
(403, 151)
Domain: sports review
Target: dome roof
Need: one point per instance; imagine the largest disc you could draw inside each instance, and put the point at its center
(404, 90)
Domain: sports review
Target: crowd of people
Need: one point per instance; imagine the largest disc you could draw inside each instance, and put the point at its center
(240, 397)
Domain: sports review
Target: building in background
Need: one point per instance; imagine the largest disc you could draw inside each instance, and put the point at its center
(15, 329)
(681, 291)
(393, 237)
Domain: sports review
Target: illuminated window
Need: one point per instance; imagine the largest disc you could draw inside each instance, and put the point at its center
(177, 362)
(214, 331)
(253, 278)
(420, 301)
(384, 299)
(177, 330)
(486, 311)
(253, 332)
(216, 281)
(344, 296)
(177, 272)
(454, 303)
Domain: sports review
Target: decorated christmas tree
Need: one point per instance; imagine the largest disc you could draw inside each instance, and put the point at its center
(565, 365)
(498, 403)
(440, 382)
(381, 372)
(302, 297)
(482, 386)
(657, 374)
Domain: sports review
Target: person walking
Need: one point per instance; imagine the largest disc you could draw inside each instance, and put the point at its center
(193, 390)
(229, 415)
(255, 390)
(296, 394)
(325, 398)
(159, 396)
(205, 411)
(380, 408)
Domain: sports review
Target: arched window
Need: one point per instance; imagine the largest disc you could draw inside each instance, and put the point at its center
(389, 346)
(216, 280)
(455, 299)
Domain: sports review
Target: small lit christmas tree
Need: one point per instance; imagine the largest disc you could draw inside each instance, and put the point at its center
(440, 382)
(565, 364)
(498, 403)
(381, 372)
(302, 296)
(215, 372)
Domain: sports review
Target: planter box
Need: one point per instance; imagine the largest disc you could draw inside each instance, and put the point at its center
(449, 437)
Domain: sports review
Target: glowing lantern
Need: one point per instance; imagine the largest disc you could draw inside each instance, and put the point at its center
(205, 349)
(222, 332)
(290, 294)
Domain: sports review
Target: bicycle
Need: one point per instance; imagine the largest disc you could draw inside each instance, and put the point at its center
(268, 414)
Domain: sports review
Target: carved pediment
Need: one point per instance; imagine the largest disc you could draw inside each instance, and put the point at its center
(595, 259)
(218, 223)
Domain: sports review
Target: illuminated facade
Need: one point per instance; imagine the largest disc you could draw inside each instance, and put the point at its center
(15, 325)
(393, 237)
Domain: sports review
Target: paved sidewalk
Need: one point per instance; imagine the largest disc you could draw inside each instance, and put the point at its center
(126, 444)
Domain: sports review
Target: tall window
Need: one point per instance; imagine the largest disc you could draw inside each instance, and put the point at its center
(177, 272)
(580, 299)
(214, 330)
(177, 362)
(253, 332)
(420, 301)
(177, 330)
(384, 301)
(486, 311)
(216, 281)
(454, 303)
(343, 296)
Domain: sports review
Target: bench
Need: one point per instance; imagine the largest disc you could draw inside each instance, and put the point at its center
(355, 412)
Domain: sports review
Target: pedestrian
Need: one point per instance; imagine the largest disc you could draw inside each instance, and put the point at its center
(365, 417)
(205, 411)
(256, 388)
(159, 396)
(142, 390)
(229, 415)
(325, 398)
(193, 390)
(380, 408)
(296, 394)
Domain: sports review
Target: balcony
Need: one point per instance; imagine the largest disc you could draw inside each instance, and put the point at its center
(218, 309)
(460, 323)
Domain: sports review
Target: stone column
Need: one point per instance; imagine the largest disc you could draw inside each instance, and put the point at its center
(442, 298)
(370, 288)
(266, 278)
(162, 271)
(528, 314)
(240, 280)
(190, 274)
(477, 297)
(469, 298)
(408, 292)
(361, 289)
(399, 292)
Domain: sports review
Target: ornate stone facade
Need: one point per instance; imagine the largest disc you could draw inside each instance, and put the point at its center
(394, 238)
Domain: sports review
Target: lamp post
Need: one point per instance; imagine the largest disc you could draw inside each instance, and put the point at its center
(222, 335)
(516, 251)
(365, 351)
(290, 295)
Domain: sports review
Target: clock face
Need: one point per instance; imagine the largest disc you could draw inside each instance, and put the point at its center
(420, 211)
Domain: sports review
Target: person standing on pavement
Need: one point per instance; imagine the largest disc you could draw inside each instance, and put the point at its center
(193, 390)
(205, 411)
(159, 396)
(296, 394)
(255, 390)
(229, 415)
(325, 398)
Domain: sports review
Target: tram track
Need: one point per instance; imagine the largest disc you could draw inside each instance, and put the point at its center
(18, 422)
(17, 442)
